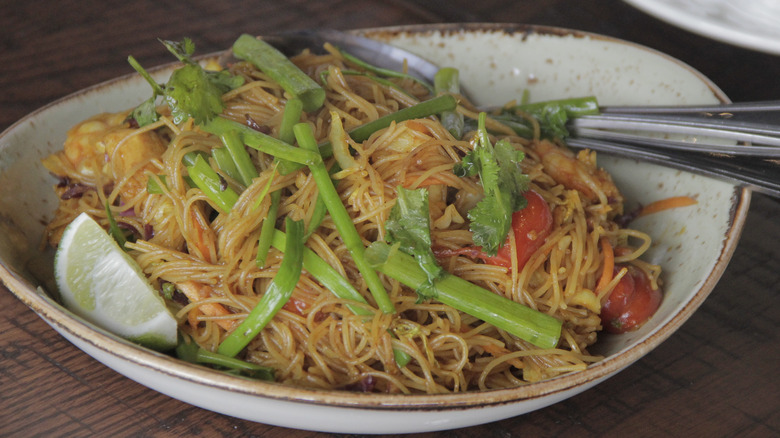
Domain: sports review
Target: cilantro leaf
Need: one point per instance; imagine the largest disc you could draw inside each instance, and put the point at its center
(224, 80)
(409, 226)
(511, 179)
(468, 165)
(552, 116)
(503, 184)
(488, 224)
(552, 121)
(191, 91)
(182, 50)
(146, 113)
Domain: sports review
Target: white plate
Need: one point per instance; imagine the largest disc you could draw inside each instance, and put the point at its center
(497, 63)
(753, 24)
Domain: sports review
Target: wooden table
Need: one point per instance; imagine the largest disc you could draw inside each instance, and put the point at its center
(717, 376)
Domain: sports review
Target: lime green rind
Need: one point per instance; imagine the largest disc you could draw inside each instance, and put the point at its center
(104, 285)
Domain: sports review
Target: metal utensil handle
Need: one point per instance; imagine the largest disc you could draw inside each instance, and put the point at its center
(766, 180)
(762, 176)
(740, 107)
(760, 133)
(372, 51)
(684, 144)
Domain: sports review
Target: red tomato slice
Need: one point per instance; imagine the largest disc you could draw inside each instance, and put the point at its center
(531, 226)
(631, 303)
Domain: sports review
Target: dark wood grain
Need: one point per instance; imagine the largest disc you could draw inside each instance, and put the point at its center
(717, 376)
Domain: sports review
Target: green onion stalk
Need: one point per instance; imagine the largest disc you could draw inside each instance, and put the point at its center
(342, 220)
(278, 293)
(528, 324)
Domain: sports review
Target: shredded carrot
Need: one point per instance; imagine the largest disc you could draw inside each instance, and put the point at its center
(609, 264)
(203, 233)
(192, 317)
(196, 292)
(666, 204)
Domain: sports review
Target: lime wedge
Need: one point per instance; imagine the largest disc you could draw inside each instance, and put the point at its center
(104, 285)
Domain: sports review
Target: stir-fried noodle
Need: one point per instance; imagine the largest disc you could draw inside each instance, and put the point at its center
(185, 240)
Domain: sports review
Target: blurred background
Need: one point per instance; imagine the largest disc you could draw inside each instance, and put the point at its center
(39, 34)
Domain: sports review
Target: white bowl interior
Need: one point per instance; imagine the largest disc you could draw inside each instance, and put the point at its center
(693, 244)
(687, 241)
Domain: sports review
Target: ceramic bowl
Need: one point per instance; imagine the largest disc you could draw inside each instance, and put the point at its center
(497, 63)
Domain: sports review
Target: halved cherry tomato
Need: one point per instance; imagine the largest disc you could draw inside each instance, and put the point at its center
(531, 226)
(631, 303)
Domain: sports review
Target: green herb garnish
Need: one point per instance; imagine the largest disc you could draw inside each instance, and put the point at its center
(503, 183)
(190, 351)
(191, 91)
(409, 227)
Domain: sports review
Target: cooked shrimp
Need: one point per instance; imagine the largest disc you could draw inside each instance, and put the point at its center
(577, 172)
(197, 292)
(130, 154)
(104, 148)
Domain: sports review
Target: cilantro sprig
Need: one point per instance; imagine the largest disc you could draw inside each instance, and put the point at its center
(191, 91)
(552, 116)
(409, 227)
(536, 327)
(407, 256)
(503, 183)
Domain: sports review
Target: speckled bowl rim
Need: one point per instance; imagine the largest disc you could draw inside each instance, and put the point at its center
(58, 317)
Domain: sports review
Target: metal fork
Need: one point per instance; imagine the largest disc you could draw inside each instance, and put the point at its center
(717, 140)
(738, 142)
(700, 125)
